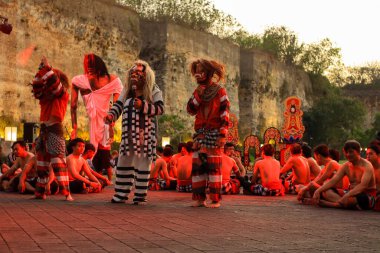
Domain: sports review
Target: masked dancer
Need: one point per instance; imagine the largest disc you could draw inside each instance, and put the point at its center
(139, 102)
(50, 88)
(210, 106)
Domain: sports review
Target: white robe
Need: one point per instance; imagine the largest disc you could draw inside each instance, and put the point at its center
(97, 104)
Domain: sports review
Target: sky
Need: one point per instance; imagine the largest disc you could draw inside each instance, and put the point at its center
(352, 25)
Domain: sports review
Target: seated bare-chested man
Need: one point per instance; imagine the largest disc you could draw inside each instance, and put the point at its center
(9, 180)
(330, 167)
(313, 165)
(268, 169)
(88, 154)
(81, 180)
(159, 178)
(373, 156)
(229, 165)
(174, 159)
(300, 170)
(184, 167)
(361, 175)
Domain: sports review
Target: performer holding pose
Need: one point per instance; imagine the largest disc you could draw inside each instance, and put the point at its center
(140, 102)
(210, 105)
(50, 88)
(97, 88)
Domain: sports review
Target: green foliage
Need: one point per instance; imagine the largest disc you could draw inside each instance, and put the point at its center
(172, 126)
(316, 58)
(283, 43)
(334, 119)
(368, 74)
(198, 14)
(247, 40)
(322, 86)
(365, 137)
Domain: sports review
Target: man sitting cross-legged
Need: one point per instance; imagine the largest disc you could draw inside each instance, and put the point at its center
(184, 167)
(300, 170)
(269, 170)
(231, 185)
(88, 154)
(361, 175)
(77, 166)
(330, 167)
(159, 178)
(9, 180)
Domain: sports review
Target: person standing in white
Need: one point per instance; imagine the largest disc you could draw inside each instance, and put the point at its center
(97, 88)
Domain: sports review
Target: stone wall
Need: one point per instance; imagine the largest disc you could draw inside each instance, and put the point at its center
(64, 33)
(171, 49)
(264, 86)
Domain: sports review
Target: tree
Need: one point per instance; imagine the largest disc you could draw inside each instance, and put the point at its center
(172, 126)
(197, 14)
(334, 119)
(283, 43)
(316, 58)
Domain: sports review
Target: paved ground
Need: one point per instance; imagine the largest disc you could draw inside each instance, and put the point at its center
(168, 224)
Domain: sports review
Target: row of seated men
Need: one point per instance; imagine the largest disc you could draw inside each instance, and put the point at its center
(315, 176)
(22, 174)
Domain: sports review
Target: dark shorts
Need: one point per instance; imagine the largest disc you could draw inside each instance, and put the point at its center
(102, 160)
(77, 186)
(365, 201)
(32, 181)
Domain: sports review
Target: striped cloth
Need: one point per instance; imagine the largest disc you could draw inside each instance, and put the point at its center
(139, 127)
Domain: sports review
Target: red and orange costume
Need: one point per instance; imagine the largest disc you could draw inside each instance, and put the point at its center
(53, 97)
(210, 106)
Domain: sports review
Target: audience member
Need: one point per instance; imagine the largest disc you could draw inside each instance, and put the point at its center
(314, 167)
(373, 156)
(231, 185)
(300, 170)
(159, 177)
(330, 167)
(9, 180)
(77, 166)
(360, 172)
(269, 170)
(184, 167)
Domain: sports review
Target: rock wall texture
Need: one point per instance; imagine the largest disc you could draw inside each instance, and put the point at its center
(264, 86)
(370, 97)
(257, 84)
(64, 33)
(172, 48)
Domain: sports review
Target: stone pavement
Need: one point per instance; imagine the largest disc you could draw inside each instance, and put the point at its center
(167, 224)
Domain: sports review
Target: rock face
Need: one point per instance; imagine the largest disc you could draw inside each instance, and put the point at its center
(256, 83)
(64, 32)
(370, 97)
(264, 86)
(171, 49)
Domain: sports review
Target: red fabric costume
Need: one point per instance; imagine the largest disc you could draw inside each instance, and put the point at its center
(53, 96)
(210, 106)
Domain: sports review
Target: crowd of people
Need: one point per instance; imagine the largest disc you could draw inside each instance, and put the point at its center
(205, 165)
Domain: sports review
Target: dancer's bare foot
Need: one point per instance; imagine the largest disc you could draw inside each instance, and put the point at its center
(199, 203)
(69, 198)
(214, 204)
